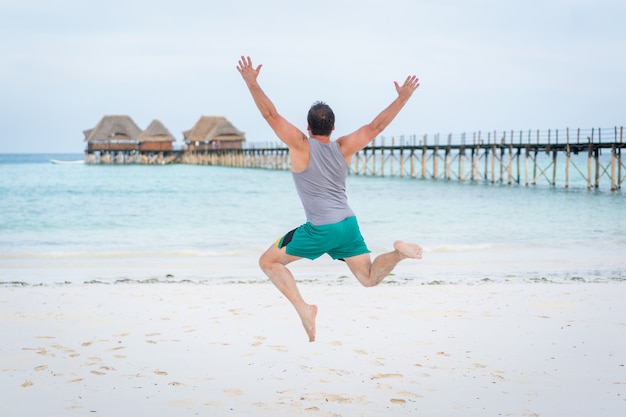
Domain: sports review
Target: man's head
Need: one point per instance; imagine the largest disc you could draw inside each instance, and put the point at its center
(321, 119)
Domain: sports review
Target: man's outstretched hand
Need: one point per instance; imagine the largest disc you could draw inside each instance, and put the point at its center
(410, 85)
(247, 71)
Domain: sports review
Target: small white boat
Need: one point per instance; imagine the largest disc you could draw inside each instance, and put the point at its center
(59, 162)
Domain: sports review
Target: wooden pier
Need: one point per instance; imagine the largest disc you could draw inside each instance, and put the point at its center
(578, 158)
(568, 159)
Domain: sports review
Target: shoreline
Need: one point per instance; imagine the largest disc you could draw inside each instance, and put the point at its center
(438, 350)
(462, 267)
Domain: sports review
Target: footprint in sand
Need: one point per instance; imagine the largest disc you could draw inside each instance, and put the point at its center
(336, 398)
(259, 342)
(74, 380)
(118, 348)
(279, 348)
(233, 392)
(385, 376)
(496, 375)
(409, 394)
(44, 352)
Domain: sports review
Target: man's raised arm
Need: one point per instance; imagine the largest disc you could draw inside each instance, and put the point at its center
(354, 142)
(286, 132)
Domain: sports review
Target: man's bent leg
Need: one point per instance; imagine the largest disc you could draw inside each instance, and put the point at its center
(371, 273)
(273, 262)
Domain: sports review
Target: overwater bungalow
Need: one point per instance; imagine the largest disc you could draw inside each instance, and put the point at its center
(156, 138)
(113, 133)
(114, 139)
(213, 132)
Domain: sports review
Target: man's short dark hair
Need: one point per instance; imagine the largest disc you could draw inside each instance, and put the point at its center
(321, 119)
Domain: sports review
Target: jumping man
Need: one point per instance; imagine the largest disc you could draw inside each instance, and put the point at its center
(319, 168)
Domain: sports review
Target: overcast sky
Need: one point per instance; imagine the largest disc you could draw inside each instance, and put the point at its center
(483, 65)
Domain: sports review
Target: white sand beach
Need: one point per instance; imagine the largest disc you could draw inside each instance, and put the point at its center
(187, 349)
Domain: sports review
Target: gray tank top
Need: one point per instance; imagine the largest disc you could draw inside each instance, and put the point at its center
(322, 185)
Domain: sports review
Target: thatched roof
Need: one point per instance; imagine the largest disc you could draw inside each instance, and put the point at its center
(156, 132)
(113, 128)
(212, 128)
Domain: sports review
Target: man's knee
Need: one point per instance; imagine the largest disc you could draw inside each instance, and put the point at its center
(265, 261)
(271, 257)
(366, 281)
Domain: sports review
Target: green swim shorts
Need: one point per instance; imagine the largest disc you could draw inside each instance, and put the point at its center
(339, 240)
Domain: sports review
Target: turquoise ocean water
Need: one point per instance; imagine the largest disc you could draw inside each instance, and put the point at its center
(88, 223)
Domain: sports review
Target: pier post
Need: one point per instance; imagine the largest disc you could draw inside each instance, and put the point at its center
(619, 167)
(510, 165)
(401, 161)
(435, 162)
(447, 164)
(474, 168)
(493, 162)
(486, 172)
(554, 155)
(462, 163)
(502, 151)
(527, 153)
(567, 161)
(596, 155)
(424, 162)
(619, 158)
(613, 159)
(472, 156)
(589, 160)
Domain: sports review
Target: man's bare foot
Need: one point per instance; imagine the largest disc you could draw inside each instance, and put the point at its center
(408, 250)
(308, 321)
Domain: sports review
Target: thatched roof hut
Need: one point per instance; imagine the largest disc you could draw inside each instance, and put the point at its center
(113, 133)
(213, 132)
(156, 137)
